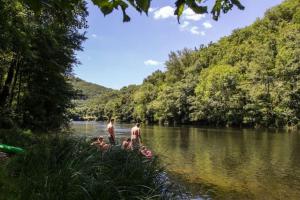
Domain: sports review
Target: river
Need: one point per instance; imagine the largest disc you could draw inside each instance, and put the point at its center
(221, 163)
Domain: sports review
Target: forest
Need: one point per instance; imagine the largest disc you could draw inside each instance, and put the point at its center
(38, 44)
(250, 78)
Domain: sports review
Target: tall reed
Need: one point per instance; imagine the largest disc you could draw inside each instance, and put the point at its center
(63, 167)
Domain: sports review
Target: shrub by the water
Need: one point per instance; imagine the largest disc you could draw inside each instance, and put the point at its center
(69, 168)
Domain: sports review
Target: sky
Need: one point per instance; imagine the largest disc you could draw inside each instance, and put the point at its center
(118, 54)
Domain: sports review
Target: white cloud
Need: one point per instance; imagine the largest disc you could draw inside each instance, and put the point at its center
(152, 10)
(195, 30)
(189, 14)
(152, 62)
(94, 35)
(207, 25)
(184, 25)
(164, 12)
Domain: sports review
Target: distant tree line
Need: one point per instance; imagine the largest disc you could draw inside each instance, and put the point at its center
(250, 78)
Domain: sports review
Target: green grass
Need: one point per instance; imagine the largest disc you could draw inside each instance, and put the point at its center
(62, 167)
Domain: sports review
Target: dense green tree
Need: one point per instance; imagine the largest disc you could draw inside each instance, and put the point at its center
(250, 78)
(37, 56)
(217, 96)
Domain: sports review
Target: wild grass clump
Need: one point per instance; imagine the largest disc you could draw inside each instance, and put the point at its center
(69, 168)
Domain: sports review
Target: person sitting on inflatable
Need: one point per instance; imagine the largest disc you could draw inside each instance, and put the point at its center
(101, 144)
(3, 156)
(126, 145)
(146, 152)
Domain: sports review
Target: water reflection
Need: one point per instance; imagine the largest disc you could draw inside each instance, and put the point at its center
(226, 163)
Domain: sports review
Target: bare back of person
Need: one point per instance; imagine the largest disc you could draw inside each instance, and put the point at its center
(136, 137)
(111, 132)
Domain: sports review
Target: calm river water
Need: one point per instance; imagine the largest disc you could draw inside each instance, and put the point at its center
(223, 163)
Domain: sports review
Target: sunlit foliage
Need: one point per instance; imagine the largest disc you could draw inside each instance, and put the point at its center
(250, 78)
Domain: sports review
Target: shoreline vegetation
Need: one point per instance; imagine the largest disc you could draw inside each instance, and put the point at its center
(248, 79)
(284, 128)
(65, 167)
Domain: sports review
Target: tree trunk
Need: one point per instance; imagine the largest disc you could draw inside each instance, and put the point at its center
(12, 88)
(19, 91)
(5, 93)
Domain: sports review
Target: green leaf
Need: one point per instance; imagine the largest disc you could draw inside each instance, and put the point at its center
(133, 4)
(216, 9)
(106, 9)
(143, 5)
(238, 4)
(225, 6)
(124, 6)
(179, 8)
(105, 6)
(197, 9)
(126, 18)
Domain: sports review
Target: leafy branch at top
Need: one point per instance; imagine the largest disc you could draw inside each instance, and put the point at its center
(142, 6)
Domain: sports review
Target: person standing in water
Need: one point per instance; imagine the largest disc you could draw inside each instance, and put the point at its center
(136, 138)
(111, 132)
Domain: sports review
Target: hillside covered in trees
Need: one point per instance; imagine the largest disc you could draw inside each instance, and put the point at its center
(250, 78)
(88, 99)
(95, 102)
(87, 90)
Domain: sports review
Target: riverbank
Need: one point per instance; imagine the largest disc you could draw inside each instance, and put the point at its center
(201, 125)
(63, 167)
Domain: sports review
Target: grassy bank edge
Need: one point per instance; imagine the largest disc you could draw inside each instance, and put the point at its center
(58, 166)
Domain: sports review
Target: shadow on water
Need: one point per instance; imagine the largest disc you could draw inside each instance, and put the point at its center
(222, 163)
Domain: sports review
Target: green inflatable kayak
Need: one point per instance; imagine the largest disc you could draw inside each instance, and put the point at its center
(11, 149)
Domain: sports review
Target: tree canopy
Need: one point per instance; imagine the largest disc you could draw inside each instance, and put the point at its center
(37, 54)
(250, 78)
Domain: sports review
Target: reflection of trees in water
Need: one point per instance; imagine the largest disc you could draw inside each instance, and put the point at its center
(295, 157)
(247, 161)
(184, 139)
